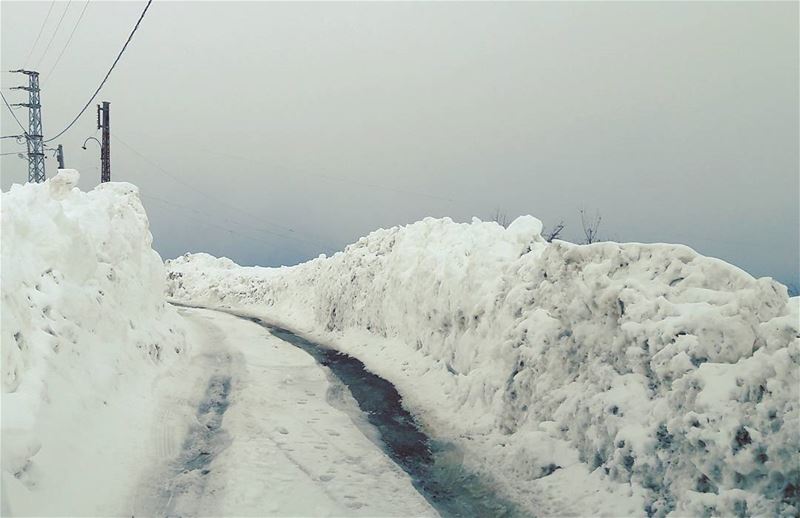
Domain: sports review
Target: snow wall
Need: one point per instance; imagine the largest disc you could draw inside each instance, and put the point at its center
(617, 379)
(85, 329)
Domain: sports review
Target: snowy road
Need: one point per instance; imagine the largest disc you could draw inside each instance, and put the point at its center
(255, 427)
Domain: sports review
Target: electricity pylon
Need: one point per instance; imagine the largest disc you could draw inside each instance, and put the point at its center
(34, 137)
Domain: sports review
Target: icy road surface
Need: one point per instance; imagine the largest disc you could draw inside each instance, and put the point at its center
(255, 427)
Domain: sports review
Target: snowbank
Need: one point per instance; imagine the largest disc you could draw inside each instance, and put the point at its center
(85, 331)
(608, 378)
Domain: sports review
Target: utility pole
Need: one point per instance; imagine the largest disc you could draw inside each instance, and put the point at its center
(104, 123)
(35, 144)
(60, 156)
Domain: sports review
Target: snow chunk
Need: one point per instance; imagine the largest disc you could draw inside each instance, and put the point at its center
(526, 229)
(63, 183)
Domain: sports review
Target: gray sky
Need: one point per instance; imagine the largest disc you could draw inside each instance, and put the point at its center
(301, 127)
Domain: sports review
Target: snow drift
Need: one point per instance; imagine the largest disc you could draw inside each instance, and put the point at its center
(607, 378)
(85, 329)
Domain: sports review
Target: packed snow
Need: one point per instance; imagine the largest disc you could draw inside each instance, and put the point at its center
(85, 332)
(270, 434)
(616, 379)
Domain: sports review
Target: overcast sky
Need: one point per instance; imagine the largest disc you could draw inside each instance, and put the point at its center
(272, 132)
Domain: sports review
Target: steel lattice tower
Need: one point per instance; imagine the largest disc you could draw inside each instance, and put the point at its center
(34, 137)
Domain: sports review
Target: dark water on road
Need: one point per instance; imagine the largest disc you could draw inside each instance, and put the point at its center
(435, 467)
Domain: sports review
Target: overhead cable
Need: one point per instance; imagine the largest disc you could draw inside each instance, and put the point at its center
(68, 41)
(103, 82)
(41, 29)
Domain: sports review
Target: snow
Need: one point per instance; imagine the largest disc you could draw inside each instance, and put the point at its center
(614, 379)
(85, 329)
(292, 443)
(110, 395)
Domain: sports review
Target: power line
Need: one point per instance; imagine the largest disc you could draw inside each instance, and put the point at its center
(337, 179)
(53, 37)
(41, 29)
(222, 203)
(176, 207)
(13, 114)
(103, 82)
(293, 169)
(68, 40)
(239, 223)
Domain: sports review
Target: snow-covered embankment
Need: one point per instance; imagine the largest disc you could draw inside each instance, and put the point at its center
(85, 332)
(611, 378)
